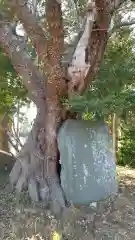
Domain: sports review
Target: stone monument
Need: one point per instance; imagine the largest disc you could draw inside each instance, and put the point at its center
(88, 170)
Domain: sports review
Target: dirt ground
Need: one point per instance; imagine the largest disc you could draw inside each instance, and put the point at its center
(112, 219)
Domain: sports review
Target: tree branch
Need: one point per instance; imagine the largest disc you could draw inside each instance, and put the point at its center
(79, 67)
(22, 63)
(116, 4)
(56, 29)
(13, 145)
(70, 49)
(122, 24)
(31, 25)
(55, 48)
(98, 40)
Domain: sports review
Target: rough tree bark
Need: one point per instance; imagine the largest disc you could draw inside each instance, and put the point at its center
(36, 166)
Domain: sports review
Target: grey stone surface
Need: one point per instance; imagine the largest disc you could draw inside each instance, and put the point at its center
(88, 171)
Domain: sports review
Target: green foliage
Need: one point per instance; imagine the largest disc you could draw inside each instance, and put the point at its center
(112, 90)
(11, 89)
(126, 154)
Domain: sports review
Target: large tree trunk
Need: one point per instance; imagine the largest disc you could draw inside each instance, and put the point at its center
(36, 166)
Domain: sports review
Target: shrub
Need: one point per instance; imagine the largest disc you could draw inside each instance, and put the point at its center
(126, 153)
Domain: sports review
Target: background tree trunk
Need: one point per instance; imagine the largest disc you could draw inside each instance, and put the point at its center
(4, 144)
(115, 122)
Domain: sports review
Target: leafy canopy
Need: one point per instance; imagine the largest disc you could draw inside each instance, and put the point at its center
(112, 90)
(11, 89)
